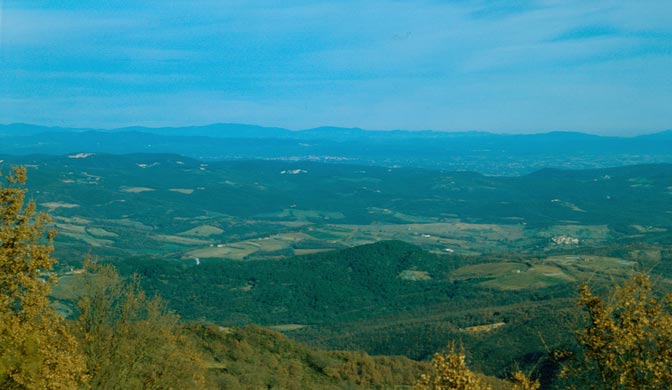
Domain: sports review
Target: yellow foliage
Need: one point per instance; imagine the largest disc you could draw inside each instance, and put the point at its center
(36, 349)
(628, 342)
(521, 381)
(450, 372)
(132, 341)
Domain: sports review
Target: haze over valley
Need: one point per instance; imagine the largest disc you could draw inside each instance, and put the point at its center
(335, 195)
(350, 253)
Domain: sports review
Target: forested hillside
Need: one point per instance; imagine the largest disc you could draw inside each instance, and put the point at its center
(121, 338)
(508, 312)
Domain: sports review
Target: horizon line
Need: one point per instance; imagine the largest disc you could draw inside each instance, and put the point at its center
(128, 127)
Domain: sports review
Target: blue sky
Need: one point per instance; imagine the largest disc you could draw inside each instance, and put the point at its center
(601, 67)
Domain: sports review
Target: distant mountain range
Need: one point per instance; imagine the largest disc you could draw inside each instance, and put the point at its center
(237, 130)
(488, 153)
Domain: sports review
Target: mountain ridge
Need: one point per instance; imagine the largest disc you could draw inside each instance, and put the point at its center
(251, 130)
(487, 153)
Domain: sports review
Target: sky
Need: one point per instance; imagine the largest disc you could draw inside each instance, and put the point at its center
(602, 67)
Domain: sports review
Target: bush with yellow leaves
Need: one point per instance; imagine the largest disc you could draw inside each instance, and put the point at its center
(521, 381)
(450, 372)
(628, 342)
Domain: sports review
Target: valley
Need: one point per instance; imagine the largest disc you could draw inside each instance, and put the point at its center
(388, 195)
(185, 209)
(392, 261)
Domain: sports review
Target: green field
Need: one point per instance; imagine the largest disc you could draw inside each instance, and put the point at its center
(387, 260)
(175, 207)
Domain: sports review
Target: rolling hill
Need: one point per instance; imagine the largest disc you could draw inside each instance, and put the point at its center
(488, 153)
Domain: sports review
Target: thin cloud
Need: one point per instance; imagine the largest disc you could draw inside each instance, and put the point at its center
(489, 65)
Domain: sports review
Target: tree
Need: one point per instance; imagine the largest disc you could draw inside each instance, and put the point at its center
(132, 341)
(450, 372)
(36, 349)
(628, 341)
(522, 381)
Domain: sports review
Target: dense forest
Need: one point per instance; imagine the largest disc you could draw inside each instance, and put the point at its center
(117, 336)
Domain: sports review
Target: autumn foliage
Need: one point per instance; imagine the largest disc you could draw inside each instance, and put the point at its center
(36, 349)
(122, 339)
(628, 341)
(450, 372)
(132, 341)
